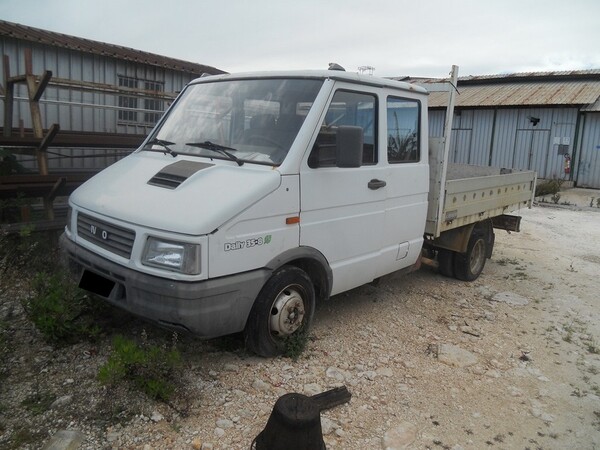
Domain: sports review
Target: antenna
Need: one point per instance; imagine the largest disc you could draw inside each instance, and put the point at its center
(366, 69)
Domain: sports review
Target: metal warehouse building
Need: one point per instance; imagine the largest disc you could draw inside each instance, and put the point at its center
(103, 97)
(545, 122)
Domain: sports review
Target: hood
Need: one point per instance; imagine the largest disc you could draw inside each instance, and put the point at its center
(189, 196)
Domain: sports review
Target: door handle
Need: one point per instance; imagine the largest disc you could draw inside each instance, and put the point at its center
(376, 184)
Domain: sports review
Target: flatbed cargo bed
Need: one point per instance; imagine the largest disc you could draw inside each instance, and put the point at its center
(473, 193)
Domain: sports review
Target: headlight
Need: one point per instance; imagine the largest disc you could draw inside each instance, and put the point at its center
(175, 256)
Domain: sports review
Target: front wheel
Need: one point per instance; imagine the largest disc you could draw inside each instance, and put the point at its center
(468, 266)
(283, 309)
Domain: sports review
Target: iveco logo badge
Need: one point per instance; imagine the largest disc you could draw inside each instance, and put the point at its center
(95, 231)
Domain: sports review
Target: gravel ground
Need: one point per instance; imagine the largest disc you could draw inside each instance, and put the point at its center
(508, 361)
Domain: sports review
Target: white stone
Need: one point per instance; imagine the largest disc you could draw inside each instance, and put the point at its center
(112, 436)
(510, 298)
(219, 432)
(536, 412)
(400, 437)
(61, 401)
(312, 389)
(156, 416)
(66, 439)
(260, 385)
(328, 426)
(224, 423)
(334, 372)
(385, 372)
(369, 374)
(455, 356)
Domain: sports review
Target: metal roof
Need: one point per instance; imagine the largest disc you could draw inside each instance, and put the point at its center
(594, 107)
(522, 94)
(574, 88)
(23, 32)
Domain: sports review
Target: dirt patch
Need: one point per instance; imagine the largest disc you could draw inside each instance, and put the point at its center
(533, 380)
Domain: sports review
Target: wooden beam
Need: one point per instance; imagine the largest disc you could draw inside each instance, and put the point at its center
(42, 85)
(50, 135)
(77, 139)
(34, 106)
(111, 89)
(17, 79)
(59, 184)
(8, 98)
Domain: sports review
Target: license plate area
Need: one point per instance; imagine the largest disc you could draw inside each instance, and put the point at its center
(97, 284)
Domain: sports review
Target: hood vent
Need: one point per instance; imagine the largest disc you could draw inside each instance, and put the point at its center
(171, 176)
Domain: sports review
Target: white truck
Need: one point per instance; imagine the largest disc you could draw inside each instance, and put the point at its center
(259, 194)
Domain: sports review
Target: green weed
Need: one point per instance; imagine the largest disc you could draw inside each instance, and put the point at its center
(152, 369)
(505, 261)
(22, 438)
(39, 402)
(592, 347)
(295, 344)
(61, 311)
(548, 187)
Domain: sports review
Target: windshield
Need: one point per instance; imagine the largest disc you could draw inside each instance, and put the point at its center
(254, 120)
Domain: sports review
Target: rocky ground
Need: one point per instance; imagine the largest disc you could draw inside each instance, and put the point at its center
(511, 360)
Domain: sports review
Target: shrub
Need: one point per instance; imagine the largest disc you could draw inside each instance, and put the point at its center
(549, 187)
(152, 369)
(295, 344)
(61, 311)
(26, 252)
(39, 402)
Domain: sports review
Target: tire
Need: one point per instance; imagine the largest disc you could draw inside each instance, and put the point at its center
(446, 262)
(284, 308)
(468, 266)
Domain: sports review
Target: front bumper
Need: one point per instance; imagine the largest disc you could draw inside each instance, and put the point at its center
(207, 308)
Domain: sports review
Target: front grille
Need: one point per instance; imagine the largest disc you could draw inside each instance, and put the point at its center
(108, 236)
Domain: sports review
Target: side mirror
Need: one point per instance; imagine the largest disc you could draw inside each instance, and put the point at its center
(349, 146)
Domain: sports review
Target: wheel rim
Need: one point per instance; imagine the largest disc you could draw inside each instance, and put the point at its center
(287, 312)
(477, 257)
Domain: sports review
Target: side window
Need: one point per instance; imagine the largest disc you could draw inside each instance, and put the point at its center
(403, 130)
(346, 108)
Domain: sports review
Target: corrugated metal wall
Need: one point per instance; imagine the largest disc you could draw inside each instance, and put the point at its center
(525, 138)
(587, 170)
(77, 110)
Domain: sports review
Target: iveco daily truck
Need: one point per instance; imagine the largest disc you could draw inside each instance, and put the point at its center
(258, 195)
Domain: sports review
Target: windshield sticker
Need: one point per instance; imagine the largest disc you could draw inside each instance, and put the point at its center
(248, 243)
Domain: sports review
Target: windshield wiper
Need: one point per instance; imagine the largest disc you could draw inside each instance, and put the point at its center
(219, 149)
(164, 144)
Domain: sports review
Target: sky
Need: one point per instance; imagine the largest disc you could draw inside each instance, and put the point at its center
(396, 37)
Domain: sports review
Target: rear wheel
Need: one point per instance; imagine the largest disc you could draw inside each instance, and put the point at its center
(468, 266)
(446, 262)
(283, 309)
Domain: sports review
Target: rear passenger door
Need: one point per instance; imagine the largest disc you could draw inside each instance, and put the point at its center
(343, 208)
(406, 172)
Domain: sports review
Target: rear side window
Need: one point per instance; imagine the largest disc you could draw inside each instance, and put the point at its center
(346, 108)
(403, 130)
